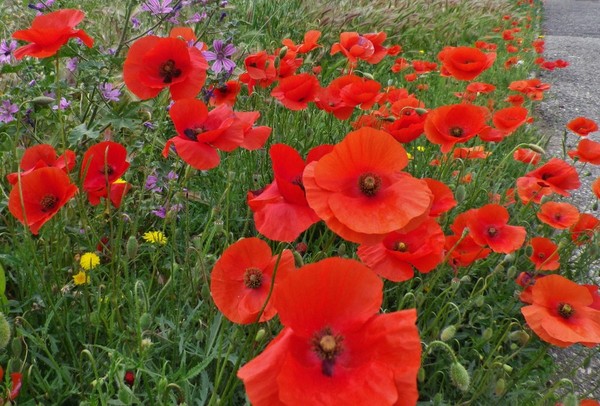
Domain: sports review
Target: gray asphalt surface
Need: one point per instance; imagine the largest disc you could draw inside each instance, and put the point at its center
(572, 33)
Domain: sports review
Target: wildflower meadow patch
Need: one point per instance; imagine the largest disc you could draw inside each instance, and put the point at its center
(288, 203)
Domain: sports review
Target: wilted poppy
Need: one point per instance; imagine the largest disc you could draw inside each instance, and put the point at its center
(51, 31)
(40, 156)
(545, 254)
(102, 164)
(37, 197)
(465, 63)
(241, 280)
(560, 313)
(360, 191)
(582, 126)
(395, 257)
(558, 215)
(488, 226)
(295, 92)
(154, 63)
(451, 124)
(333, 337)
(281, 212)
(587, 151)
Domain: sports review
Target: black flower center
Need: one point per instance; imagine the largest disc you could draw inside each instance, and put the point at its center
(253, 278)
(400, 246)
(327, 346)
(48, 203)
(369, 184)
(168, 71)
(456, 132)
(565, 310)
(492, 231)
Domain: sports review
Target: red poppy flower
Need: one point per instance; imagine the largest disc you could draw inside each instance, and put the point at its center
(362, 92)
(310, 42)
(587, 151)
(422, 67)
(409, 122)
(155, 63)
(360, 191)
(530, 190)
(395, 257)
(443, 199)
(515, 99)
(51, 31)
(488, 226)
(200, 133)
(37, 197)
(225, 94)
(479, 87)
(254, 136)
(241, 280)
(366, 47)
(545, 254)
(557, 175)
(465, 63)
(582, 126)
(560, 313)
(527, 156)
(596, 187)
(281, 212)
(461, 247)
(103, 164)
(451, 124)
(260, 70)
(40, 156)
(332, 339)
(330, 100)
(114, 192)
(510, 118)
(558, 215)
(295, 92)
(477, 152)
(583, 231)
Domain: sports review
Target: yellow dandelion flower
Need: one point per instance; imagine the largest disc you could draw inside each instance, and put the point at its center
(421, 148)
(409, 155)
(81, 278)
(155, 237)
(421, 51)
(89, 260)
(120, 180)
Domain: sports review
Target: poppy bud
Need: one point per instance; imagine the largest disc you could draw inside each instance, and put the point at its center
(514, 347)
(529, 251)
(283, 52)
(511, 272)
(421, 375)
(520, 336)
(535, 148)
(42, 100)
(16, 347)
(479, 301)
(341, 250)
(459, 376)
(465, 279)
(260, 334)
(499, 268)
(420, 111)
(4, 331)
(487, 334)
(507, 368)
(298, 261)
(500, 387)
(509, 258)
(595, 206)
(570, 400)
(546, 198)
(145, 321)
(368, 75)
(448, 333)
(132, 247)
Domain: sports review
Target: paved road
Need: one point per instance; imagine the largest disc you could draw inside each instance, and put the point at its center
(572, 33)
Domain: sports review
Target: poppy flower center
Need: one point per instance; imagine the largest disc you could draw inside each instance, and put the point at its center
(192, 133)
(48, 203)
(492, 231)
(298, 182)
(168, 71)
(565, 310)
(400, 246)
(253, 278)
(107, 170)
(327, 346)
(369, 184)
(456, 131)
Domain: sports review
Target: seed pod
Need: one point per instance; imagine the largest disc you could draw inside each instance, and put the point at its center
(421, 375)
(4, 331)
(460, 193)
(487, 334)
(42, 100)
(131, 248)
(500, 387)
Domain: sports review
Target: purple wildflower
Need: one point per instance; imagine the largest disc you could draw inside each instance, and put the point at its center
(6, 50)
(196, 18)
(149, 125)
(152, 184)
(172, 176)
(157, 6)
(72, 64)
(135, 23)
(109, 92)
(7, 111)
(160, 212)
(63, 104)
(220, 56)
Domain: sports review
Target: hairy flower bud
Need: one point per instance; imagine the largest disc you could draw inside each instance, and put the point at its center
(448, 333)
(459, 376)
